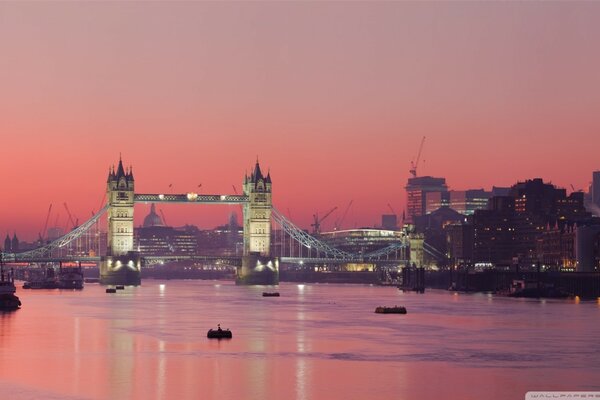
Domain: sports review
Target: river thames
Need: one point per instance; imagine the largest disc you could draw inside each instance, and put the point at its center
(317, 341)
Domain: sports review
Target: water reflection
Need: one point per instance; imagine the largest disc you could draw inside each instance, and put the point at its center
(316, 341)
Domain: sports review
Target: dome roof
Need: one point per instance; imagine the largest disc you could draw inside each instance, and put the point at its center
(153, 219)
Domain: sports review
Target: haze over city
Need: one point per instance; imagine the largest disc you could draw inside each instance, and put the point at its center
(333, 98)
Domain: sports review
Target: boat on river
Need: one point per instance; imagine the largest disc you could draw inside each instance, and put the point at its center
(219, 333)
(8, 300)
(270, 294)
(70, 278)
(391, 310)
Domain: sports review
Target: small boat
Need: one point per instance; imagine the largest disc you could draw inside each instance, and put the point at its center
(391, 310)
(120, 287)
(8, 300)
(270, 294)
(111, 290)
(219, 334)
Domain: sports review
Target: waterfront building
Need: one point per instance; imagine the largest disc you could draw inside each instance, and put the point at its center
(459, 242)
(556, 247)
(508, 232)
(432, 227)
(587, 248)
(362, 240)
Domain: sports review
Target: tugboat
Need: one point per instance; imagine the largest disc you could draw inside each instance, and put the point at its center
(8, 300)
(219, 333)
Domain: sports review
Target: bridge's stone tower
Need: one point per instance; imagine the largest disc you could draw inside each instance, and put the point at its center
(121, 266)
(257, 265)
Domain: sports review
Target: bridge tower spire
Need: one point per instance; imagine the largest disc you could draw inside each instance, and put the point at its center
(257, 265)
(257, 213)
(121, 264)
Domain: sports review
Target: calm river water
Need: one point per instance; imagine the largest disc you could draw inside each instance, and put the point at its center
(314, 342)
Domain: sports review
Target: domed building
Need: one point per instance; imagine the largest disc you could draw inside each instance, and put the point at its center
(155, 238)
(153, 219)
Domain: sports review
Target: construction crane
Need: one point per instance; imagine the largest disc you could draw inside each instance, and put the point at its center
(415, 164)
(162, 214)
(73, 224)
(391, 209)
(318, 221)
(43, 233)
(339, 222)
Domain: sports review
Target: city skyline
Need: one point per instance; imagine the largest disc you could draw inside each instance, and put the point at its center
(333, 99)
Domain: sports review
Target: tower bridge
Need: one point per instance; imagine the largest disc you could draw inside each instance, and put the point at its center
(257, 265)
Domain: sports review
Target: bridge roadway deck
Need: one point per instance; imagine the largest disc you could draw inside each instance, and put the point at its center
(191, 198)
(234, 259)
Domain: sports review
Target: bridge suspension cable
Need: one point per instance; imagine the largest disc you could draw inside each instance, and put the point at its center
(61, 242)
(307, 240)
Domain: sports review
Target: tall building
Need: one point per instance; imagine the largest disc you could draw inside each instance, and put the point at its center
(459, 238)
(436, 200)
(596, 188)
(416, 193)
(467, 201)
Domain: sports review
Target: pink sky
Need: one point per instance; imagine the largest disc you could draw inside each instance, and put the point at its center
(333, 97)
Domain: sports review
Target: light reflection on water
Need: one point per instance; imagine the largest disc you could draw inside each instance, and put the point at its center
(315, 341)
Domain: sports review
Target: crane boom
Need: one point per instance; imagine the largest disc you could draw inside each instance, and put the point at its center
(414, 165)
(339, 222)
(318, 221)
(69, 214)
(162, 214)
(43, 234)
(390, 207)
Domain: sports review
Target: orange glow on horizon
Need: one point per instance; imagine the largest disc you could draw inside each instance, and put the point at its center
(333, 98)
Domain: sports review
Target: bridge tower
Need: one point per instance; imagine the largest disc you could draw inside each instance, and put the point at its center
(121, 266)
(257, 265)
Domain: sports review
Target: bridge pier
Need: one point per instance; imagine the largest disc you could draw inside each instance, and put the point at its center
(121, 270)
(258, 270)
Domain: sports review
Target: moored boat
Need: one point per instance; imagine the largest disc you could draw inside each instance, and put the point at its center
(70, 278)
(391, 310)
(45, 279)
(8, 300)
(270, 294)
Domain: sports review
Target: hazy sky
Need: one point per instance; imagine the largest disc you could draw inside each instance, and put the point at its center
(333, 97)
